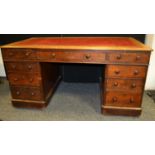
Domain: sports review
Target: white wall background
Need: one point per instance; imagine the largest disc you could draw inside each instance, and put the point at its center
(150, 82)
(2, 72)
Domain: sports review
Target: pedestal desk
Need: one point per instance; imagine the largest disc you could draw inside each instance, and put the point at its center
(32, 68)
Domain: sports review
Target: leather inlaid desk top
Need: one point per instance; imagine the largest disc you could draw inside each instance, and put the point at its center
(33, 69)
(88, 43)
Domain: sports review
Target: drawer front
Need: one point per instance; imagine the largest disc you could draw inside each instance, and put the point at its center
(125, 85)
(22, 67)
(27, 93)
(118, 71)
(121, 99)
(137, 58)
(18, 54)
(72, 56)
(24, 79)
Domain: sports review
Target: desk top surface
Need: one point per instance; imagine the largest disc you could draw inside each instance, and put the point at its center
(81, 43)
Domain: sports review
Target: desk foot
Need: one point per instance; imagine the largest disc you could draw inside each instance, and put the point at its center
(28, 104)
(125, 111)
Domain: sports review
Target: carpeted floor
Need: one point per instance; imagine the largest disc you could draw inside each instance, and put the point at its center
(71, 101)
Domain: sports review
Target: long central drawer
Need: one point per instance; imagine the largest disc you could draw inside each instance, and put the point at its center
(72, 56)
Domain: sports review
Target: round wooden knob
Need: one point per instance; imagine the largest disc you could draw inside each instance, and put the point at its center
(29, 67)
(31, 80)
(53, 55)
(117, 72)
(14, 67)
(17, 93)
(131, 100)
(87, 56)
(10, 54)
(133, 85)
(114, 99)
(115, 84)
(15, 79)
(119, 57)
(27, 53)
(136, 72)
(32, 93)
(137, 57)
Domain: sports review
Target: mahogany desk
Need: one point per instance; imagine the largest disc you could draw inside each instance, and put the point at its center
(32, 68)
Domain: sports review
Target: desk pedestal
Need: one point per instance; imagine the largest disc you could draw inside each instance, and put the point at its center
(32, 84)
(122, 89)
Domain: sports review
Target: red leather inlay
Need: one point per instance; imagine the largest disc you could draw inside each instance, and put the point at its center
(71, 41)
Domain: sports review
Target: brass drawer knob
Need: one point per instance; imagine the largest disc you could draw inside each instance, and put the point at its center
(136, 72)
(53, 55)
(17, 93)
(87, 56)
(117, 72)
(115, 84)
(119, 57)
(131, 100)
(133, 85)
(114, 99)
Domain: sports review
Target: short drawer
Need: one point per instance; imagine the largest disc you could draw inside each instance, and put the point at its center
(18, 54)
(22, 67)
(124, 85)
(72, 56)
(115, 71)
(27, 93)
(126, 57)
(121, 99)
(24, 79)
